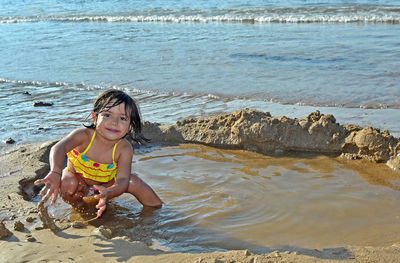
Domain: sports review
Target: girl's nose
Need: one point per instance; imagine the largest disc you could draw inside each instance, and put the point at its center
(114, 120)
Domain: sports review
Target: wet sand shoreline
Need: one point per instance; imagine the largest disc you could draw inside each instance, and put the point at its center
(23, 164)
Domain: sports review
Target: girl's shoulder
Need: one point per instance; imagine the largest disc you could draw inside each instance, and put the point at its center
(79, 138)
(123, 147)
(83, 133)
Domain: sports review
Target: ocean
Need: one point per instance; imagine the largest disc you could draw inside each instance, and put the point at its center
(199, 58)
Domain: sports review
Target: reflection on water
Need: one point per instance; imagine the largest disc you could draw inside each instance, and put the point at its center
(231, 199)
(305, 201)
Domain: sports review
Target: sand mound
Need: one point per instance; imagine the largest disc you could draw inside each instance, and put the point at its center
(260, 132)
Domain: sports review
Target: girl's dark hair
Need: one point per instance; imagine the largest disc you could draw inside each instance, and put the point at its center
(102, 103)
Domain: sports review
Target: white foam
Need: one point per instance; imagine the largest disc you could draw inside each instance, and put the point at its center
(351, 14)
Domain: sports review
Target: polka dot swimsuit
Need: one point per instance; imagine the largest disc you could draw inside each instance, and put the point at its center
(90, 169)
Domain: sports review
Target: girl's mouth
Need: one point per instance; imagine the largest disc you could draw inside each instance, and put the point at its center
(112, 130)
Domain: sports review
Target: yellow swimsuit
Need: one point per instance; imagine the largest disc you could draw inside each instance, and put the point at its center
(89, 169)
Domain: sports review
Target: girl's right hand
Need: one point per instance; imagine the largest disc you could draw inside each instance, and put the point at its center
(52, 183)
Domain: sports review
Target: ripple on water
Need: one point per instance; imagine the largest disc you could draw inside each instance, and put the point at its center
(220, 199)
(307, 201)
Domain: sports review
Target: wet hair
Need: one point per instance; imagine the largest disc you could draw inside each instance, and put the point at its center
(102, 103)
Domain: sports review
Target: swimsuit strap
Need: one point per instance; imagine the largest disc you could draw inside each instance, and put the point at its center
(90, 143)
(113, 154)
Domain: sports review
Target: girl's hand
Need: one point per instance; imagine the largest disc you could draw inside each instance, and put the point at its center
(52, 183)
(102, 196)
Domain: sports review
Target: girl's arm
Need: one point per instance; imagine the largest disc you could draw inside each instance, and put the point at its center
(124, 160)
(57, 154)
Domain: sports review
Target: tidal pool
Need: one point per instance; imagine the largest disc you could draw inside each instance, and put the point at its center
(232, 199)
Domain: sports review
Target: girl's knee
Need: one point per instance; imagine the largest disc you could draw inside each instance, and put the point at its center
(134, 179)
(143, 192)
(69, 184)
(69, 188)
(135, 183)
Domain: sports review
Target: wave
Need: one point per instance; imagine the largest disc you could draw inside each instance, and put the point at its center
(180, 98)
(23, 83)
(348, 14)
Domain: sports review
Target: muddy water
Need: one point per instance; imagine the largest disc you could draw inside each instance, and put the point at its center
(230, 199)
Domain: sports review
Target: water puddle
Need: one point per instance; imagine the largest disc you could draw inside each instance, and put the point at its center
(300, 200)
(231, 199)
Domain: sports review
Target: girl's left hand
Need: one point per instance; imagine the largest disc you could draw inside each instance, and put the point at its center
(102, 196)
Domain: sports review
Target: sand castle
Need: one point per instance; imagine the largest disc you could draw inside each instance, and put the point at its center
(260, 132)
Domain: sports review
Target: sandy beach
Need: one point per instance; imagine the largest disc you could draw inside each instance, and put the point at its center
(30, 234)
(274, 128)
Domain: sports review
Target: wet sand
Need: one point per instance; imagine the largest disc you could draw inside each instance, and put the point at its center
(100, 241)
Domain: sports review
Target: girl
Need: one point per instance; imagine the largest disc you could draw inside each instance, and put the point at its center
(99, 157)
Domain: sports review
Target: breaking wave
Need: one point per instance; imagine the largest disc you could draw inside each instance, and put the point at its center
(349, 14)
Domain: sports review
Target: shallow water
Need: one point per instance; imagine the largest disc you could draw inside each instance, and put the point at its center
(181, 58)
(72, 105)
(231, 199)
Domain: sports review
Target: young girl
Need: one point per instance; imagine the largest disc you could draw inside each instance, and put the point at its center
(99, 157)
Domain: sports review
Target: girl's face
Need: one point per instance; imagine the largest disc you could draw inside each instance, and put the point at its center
(112, 123)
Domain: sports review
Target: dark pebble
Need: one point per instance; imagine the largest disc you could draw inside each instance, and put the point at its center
(30, 219)
(18, 226)
(4, 232)
(78, 224)
(39, 227)
(10, 141)
(42, 104)
(30, 238)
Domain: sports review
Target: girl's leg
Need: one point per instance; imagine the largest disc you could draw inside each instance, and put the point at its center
(143, 192)
(72, 188)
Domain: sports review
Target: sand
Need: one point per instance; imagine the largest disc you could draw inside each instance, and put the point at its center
(29, 234)
(260, 132)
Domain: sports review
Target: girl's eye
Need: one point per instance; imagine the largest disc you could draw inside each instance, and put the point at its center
(106, 115)
(123, 118)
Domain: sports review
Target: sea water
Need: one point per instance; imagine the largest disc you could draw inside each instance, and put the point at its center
(183, 58)
(200, 58)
